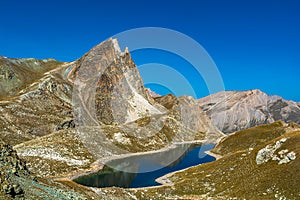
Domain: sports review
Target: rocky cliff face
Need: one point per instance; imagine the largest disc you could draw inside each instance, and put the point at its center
(232, 111)
(186, 110)
(108, 87)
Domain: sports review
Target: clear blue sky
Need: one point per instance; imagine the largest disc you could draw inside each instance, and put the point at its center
(255, 44)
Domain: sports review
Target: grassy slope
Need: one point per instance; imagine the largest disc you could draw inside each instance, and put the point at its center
(54, 154)
(249, 138)
(236, 174)
(22, 72)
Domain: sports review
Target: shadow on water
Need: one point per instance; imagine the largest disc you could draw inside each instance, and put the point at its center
(142, 170)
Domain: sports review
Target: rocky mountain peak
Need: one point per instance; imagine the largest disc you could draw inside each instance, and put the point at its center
(101, 88)
(254, 91)
(236, 110)
(108, 87)
(152, 93)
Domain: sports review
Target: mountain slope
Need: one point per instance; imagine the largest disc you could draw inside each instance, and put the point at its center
(92, 108)
(237, 174)
(232, 111)
(70, 118)
(15, 74)
(16, 182)
(38, 109)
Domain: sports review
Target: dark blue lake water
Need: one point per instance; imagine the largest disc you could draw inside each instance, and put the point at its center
(142, 170)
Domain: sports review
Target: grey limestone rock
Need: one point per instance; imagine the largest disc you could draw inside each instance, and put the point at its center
(232, 111)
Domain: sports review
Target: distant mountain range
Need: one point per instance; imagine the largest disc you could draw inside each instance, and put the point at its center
(237, 110)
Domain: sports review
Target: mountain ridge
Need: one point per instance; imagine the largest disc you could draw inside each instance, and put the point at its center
(236, 110)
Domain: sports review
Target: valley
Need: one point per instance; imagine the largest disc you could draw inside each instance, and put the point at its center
(64, 123)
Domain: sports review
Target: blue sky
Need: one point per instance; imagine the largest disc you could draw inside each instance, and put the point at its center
(255, 44)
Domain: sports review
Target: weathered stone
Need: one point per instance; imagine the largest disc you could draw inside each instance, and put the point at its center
(66, 125)
(17, 189)
(291, 155)
(232, 111)
(267, 153)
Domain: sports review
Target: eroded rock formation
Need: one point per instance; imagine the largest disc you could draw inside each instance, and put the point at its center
(232, 111)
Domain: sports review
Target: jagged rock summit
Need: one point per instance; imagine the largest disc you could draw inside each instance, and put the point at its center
(108, 87)
(236, 110)
(152, 93)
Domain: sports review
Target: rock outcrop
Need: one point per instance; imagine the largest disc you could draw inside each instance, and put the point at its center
(108, 88)
(11, 167)
(152, 93)
(232, 111)
(267, 153)
(16, 182)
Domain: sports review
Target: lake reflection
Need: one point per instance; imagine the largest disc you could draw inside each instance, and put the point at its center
(142, 170)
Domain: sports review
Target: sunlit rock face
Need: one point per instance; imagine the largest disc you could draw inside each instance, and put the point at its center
(186, 111)
(109, 88)
(231, 111)
(152, 93)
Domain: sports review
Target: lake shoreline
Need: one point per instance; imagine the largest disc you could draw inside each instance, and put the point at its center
(164, 180)
(100, 163)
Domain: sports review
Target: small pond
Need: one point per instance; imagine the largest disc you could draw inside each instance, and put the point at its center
(142, 170)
